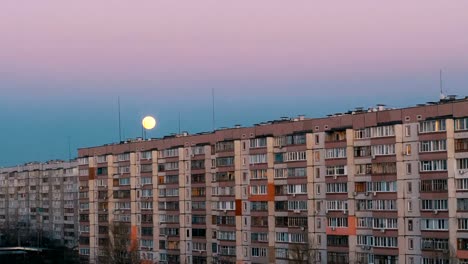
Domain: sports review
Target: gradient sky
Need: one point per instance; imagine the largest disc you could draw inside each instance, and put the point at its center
(63, 64)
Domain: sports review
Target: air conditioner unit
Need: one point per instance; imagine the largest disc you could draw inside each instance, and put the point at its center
(316, 212)
(345, 212)
(297, 211)
(368, 247)
(335, 176)
(366, 194)
(363, 247)
(354, 193)
(294, 194)
(333, 228)
(375, 193)
(382, 230)
(225, 211)
(436, 212)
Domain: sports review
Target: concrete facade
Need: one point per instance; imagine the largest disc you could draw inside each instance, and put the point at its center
(40, 199)
(375, 186)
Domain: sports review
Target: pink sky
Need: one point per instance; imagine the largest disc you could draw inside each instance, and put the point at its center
(230, 39)
(69, 60)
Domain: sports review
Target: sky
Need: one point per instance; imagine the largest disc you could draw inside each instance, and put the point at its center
(63, 65)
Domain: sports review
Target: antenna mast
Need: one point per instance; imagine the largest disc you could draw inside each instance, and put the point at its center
(120, 127)
(442, 95)
(213, 109)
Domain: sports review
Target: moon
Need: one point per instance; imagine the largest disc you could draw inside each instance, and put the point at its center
(148, 122)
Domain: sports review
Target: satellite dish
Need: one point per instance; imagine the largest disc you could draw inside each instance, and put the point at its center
(148, 122)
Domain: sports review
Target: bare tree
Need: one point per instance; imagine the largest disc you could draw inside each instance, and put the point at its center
(303, 253)
(120, 249)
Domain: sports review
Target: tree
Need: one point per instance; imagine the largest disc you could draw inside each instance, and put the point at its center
(303, 253)
(120, 248)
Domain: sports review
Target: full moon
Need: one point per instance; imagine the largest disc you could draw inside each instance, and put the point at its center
(148, 122)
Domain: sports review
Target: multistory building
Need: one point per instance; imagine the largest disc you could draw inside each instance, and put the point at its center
(367, 186)
(38, 201)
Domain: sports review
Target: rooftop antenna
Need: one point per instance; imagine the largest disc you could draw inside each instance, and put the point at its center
(442, 95)
(179, 123)
(120, 127)
(213, 109)
(69, 148)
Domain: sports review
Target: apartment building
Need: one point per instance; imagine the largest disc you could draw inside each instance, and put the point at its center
(38, 201)
(367, 186)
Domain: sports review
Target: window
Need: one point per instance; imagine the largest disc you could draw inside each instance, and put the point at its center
(408, 131)
(259, 252)
(362, 133)
(410, 225)
(124, 169)
(337, 205)
(337, 222)
(434, 244)
(386, 242)
(462, 184)
(123, 157)
(259, 206)
(174, 152)
(290, 237)
(290, 172)
(434, 205)
(461, 124)
(225, 161)
(408, 168)
(258, 142)
(363, 169)
(381, 186)
(461, 144)
(433, 145)
(297, 139)
(362, 151)
(384, 168)
(258, 189)
(294, 156)
(380, 150)
(335, 153)
(259, 237)
(462, 164)
(338, 187)
(297, 205)
(382, 131)
(146, 180)
(336, 170)
(385, 223)
(433, 165)
(227, 235)
(463, 224)
(146, 155)
(258, 158)
(437, 185)
(431, 126)
(434, 224)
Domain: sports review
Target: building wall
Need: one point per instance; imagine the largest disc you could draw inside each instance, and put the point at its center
(41, 199)
(355, 188)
